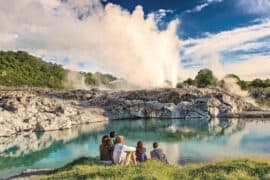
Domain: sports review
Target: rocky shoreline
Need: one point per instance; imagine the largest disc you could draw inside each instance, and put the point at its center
(25, 109)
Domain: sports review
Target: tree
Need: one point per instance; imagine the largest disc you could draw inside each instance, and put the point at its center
(205, 78)
(179, 85)
(243, 84)
(189, 82)
(22, 69)
(259, 83)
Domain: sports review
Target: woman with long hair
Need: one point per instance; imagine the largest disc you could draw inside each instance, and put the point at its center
(105, 149)
(140, 152)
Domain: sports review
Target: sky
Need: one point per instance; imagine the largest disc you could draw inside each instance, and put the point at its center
(145, 42)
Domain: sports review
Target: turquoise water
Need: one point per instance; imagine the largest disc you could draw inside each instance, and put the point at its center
(184, 141)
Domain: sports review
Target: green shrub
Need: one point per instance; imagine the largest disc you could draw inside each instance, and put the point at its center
(189, 82)
(205, 78)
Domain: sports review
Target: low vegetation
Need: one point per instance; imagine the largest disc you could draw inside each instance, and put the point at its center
(22, 69)
(89, 168)
(257, 88)
(206, 78)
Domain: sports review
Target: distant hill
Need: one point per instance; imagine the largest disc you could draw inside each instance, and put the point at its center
(22, 69)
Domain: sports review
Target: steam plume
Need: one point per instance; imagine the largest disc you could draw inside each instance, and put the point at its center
(128, 44)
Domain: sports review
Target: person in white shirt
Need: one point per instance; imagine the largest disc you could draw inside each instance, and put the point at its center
(121, 150)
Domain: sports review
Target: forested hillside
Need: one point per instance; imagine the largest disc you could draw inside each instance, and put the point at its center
(22, 69)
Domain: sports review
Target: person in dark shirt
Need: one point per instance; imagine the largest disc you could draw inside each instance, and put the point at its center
(140, 152)
(113, 138)
(105, 149)
(158, 153)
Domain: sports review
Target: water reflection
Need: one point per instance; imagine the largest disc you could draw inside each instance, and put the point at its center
(185, 141)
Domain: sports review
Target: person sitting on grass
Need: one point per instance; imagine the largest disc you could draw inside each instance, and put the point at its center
(120, 152)
(113, 138)
(158, 154)
(104, 149)
(113, 141)
(140, 152)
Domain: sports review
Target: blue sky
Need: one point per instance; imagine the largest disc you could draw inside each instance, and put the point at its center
(216, 17)
(199, 18)
(169, 39)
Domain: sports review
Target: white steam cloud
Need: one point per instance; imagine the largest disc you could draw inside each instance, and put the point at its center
(129, 44)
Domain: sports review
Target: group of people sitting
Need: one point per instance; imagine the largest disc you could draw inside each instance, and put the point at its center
(113, 150)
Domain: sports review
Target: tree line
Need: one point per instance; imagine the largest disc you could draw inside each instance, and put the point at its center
(206, 78)
(22, 69)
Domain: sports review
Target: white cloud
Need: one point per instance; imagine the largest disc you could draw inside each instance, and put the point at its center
(250, 46)
(161, 13)
(253, 67)
(200, 7)
(228, 39)
(255, 6)
(122, 42)
(210, 48)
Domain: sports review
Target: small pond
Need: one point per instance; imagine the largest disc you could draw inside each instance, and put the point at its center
(184, 141)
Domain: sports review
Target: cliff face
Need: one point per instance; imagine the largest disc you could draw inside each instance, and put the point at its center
(37, 111)
(43, 110)
(174, 103)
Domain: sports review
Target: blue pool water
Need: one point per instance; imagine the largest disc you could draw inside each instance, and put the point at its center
(184, 141)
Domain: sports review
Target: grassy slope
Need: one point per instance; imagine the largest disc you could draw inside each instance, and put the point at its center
(88, 168)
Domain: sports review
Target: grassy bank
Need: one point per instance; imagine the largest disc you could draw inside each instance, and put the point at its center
(89, 168)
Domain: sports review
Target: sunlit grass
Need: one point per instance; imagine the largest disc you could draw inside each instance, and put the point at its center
(89, 168)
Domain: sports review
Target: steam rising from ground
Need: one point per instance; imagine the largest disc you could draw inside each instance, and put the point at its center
(129, 44)
(76, 80)
(230, 85)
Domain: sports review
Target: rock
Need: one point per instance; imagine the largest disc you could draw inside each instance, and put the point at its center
(154, 105)
(27, 111)
(182, 109)
(44, 110)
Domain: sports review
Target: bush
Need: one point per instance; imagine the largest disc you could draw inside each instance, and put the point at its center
(205, 78)
(258, 83)
(179, 85)
(189, 82)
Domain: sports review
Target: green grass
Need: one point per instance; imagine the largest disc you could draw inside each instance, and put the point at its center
(89, 168)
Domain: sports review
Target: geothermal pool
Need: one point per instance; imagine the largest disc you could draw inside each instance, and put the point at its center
(184, 141)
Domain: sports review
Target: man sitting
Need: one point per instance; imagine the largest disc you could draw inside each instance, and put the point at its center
(158, 154)
(122, 154)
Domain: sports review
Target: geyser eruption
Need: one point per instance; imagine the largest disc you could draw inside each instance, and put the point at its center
(129, 44)
(135, 49)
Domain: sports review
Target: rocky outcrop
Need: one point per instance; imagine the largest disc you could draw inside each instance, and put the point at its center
(43, 110)
(260, 93)
(172, 103)
(26, 111)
